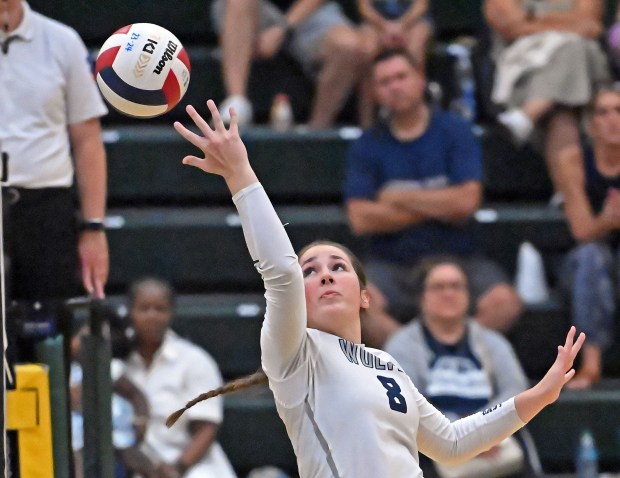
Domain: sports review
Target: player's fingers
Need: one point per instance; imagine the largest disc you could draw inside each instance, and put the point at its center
(570, 336)
(194, 161)
(196, 140)
(199, 120)
(577, 345)
(234, 124)
(217, 118)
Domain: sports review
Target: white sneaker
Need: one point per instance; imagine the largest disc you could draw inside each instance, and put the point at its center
(242, 106)
(518, 123)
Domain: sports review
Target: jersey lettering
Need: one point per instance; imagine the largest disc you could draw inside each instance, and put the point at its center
(349, 350)
(367, 359)
(491, 409)
(396, 400)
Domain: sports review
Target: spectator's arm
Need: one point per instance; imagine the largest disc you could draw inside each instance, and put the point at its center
(203, 436)
(570, 181)
(301, 9)
(136, 461)
(271, 40)
(511, 21)
(452, 203)
(372, 217)
(413, 13)
(128, 390)
(90, 165)
(585, 19)
(370, 14)
(91, 173)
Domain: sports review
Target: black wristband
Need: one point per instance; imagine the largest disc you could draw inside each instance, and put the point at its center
(92, 225)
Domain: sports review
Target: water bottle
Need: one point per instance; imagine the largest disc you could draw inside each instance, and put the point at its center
(281, 114)
(587, 456)
(465, 103)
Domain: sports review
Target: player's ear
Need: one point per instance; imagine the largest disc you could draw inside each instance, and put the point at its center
(365, 296)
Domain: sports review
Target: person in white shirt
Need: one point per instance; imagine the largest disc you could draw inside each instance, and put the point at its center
(50, 136)
(350, 411)
(167, 368)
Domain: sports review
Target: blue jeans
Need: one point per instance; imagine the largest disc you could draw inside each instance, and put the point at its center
(589, 278)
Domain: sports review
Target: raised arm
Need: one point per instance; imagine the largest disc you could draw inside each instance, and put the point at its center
(458, 441)
(271, 250)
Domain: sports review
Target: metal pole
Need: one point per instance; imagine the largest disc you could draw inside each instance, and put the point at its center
(97, 396)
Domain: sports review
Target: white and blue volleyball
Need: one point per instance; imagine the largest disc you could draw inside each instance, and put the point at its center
(143, 70)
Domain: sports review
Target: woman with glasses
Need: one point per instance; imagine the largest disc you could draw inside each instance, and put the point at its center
(460, 366)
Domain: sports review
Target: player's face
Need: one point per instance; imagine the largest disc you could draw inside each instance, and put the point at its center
(333, 291)
(445, 296)
(605, 124)
(151, 313)
(398, 86)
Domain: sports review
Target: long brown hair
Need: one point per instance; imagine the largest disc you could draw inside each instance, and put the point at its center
(259, 377)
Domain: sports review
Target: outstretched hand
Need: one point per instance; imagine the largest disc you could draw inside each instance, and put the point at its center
(547, 391)
(224, 152)
(562, 369)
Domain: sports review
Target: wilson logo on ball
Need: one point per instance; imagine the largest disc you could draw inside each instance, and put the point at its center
(142, 70)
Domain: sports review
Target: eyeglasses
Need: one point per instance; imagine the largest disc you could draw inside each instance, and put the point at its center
(606, 111)
(456, 286)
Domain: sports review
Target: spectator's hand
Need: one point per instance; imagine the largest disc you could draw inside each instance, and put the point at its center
(389, 195)
(393, 35)
(140, 429)
(589, 28)
(95, 261)
(166, 470)
(270, 41)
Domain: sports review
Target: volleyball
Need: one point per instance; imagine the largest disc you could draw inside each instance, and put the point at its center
(142, 70)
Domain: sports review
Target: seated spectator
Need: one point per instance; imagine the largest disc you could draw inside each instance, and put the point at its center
(589, 180)
(548, 61)
(169, 369)
(314, 32)
(460, 366)
(129, 406)
(412, 185)
(388, 24)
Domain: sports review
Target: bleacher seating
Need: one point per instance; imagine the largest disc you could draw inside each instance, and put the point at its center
(170, 220)
(185, 228)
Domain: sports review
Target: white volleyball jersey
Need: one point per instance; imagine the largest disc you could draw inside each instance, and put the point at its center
(350, 411)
